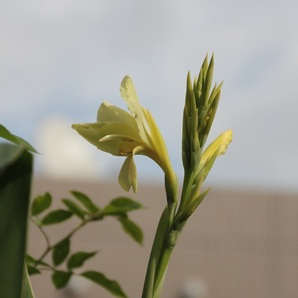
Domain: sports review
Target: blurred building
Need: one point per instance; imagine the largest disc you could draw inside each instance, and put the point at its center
(237, 244)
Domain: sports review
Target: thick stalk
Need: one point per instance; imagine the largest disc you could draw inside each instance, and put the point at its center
(154, 255)
(160, 254)
(162, 234)
(162, 266)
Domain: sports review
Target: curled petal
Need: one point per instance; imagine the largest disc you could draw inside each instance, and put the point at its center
(128, 174)
(118, 144)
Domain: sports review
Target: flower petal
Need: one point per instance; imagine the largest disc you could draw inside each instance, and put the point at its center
(216, 148)
(128, 174)
(119, 144)
(90, 131)
(94, 132)
(157, 143)
(130, 96)
(109, 113)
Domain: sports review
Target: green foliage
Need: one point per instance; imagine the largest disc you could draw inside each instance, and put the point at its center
(41, 203)
(131, 229)
(74, 208)
(56, 216)
(61, 278)
(86, 211)
(99, 278)
(121, 205)
(60, 251)
(78, 259)
(85, 201)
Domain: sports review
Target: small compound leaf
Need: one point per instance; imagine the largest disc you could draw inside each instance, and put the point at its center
(56, 216)
(121, 205)
(111, 285)
(74, 208)
(85, 201)
(77, 259)
(60, 251)
(41, 203)
(132, 229)
(60, 279)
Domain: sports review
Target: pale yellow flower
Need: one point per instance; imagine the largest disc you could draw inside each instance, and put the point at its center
(127, 134)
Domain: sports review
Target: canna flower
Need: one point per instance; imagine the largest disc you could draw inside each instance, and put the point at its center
(126, 134)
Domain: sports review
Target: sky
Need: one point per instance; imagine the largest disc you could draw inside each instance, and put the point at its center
(60, 59)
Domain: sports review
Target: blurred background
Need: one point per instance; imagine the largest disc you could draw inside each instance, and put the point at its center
(60, 59)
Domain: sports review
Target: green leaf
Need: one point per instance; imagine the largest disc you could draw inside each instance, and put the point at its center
(121, 205)
(111, 285)
(32, 270)
(85, 201)
(77, 259)
(60, 251)
(131, 229)
(41, 203)
(182, 217)
(5, 134)
(74, 208)
(15, 181)
(60, 278)
(56, 216)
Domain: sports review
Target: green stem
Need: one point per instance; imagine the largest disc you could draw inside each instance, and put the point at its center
(160, 255)
(161, 271)
(154, 255)
(158, 259)
(164, 258)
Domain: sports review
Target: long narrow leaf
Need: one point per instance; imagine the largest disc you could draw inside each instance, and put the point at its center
(5, 134)
(15, 181)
